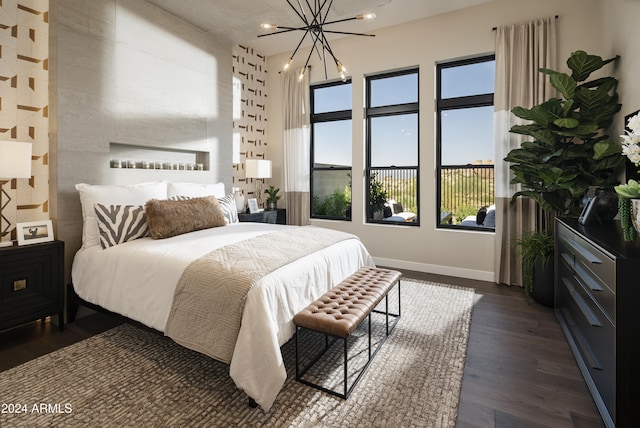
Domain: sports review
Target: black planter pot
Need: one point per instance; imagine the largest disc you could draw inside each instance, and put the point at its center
(543, 283)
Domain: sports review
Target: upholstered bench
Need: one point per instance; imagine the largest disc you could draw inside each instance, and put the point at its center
(340, 311)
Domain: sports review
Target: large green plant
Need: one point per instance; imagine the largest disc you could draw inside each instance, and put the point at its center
(377, 193)
(569, 151)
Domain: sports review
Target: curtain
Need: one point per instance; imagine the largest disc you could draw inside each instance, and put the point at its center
(521, 50)
(297, 144)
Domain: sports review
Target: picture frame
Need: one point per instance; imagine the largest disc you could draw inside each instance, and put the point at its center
(34, 232)
(253, 205)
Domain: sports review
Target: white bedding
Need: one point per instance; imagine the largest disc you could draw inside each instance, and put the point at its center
(137, 279)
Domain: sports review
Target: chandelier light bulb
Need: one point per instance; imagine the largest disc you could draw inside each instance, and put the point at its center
(288, 64)
(269, 26)
(366, 16)
(341, 67)
(301, 75)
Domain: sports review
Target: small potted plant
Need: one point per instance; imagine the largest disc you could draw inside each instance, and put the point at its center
(536, 249)
(272, 200)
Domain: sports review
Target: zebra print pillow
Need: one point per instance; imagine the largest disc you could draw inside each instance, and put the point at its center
(228, 205)
(120, 223)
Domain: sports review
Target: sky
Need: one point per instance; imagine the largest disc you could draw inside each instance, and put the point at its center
(394, 137)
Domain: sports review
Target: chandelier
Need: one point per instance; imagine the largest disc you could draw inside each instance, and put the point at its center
(314, 18)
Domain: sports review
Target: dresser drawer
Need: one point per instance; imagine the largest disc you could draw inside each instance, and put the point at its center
(595, 261)
(593, 335)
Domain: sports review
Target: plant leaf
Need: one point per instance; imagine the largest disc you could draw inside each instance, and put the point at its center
(583, 64)
(567, 122)
(564, 84)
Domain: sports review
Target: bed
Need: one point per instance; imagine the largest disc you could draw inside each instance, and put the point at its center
(138, 279)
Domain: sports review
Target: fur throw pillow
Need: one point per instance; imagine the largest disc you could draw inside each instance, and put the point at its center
(168, 218)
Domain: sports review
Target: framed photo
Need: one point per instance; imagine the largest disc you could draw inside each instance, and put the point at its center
(34, 232)
(253, 205)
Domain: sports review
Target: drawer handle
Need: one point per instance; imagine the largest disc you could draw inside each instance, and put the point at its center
(582, 305)
(19, 284)
(584, 278)
(568, 258)
(591, 359)
(584, 253)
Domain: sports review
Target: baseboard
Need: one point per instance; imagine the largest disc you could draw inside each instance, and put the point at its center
(436, 269)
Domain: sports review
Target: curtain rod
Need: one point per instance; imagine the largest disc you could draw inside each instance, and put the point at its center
(495, 28)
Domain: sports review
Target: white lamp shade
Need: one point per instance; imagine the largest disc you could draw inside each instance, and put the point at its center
(15, 160)
(258, 168)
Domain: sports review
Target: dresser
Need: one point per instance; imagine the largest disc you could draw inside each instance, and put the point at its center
(31, 283)
(597, 301)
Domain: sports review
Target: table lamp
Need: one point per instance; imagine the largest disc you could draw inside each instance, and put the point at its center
(15, 162)
(259, 169)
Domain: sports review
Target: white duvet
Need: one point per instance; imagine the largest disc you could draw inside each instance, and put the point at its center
(137, 279)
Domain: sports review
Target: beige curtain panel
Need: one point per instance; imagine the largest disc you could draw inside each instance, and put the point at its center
(521, 50)
(297, 147)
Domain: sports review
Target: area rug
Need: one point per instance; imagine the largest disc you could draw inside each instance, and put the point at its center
(130, 377)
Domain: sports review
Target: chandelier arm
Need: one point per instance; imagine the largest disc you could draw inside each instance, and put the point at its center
(303, 18)
(286, 30)
(340, 20)
(299, 43)
(348, 33)
(326, 45)
(304, 15)
(306, 63)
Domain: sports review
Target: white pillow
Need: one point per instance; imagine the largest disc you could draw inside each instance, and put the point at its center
(195, 190)
(135, 194)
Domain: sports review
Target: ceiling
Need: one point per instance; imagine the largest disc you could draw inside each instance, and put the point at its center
(239, 20)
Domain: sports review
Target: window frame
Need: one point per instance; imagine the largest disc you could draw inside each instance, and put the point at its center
(385, 111)
(456, 103)
(330, 116)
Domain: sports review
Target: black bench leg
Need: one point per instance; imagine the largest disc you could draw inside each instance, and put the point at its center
(345, 368)
(252, 403)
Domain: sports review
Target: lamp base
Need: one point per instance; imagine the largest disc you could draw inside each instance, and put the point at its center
(6, 244)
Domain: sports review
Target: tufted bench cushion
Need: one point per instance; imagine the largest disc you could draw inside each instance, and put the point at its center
(341, 310)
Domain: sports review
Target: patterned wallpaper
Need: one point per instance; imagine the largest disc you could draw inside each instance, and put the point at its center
(24, 99)
(249, 118)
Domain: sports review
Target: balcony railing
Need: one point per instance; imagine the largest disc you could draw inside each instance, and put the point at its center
(401, 185)
(464, 189)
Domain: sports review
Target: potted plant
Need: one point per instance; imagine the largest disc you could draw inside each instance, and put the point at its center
(569, 151)
(536, 249)
(272, 200)
(377, 197)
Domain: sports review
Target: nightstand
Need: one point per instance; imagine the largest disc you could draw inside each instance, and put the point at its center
(259, 217)
(31, 283)
(278, 216)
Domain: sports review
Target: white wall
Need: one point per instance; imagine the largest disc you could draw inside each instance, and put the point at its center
(423, 43)
(620, 37)
(129, 72)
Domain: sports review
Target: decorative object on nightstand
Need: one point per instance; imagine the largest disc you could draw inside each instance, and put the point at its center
(34, 232)
(272, 200)
(258, 169)
(31, 281)
(15, 162)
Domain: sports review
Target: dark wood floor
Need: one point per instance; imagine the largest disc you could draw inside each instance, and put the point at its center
(519, 370)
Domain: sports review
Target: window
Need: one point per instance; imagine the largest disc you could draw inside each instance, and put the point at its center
(331, 151)
(392, 168)
(464, 144)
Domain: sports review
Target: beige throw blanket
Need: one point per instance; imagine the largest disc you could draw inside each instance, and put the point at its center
(209, 299)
